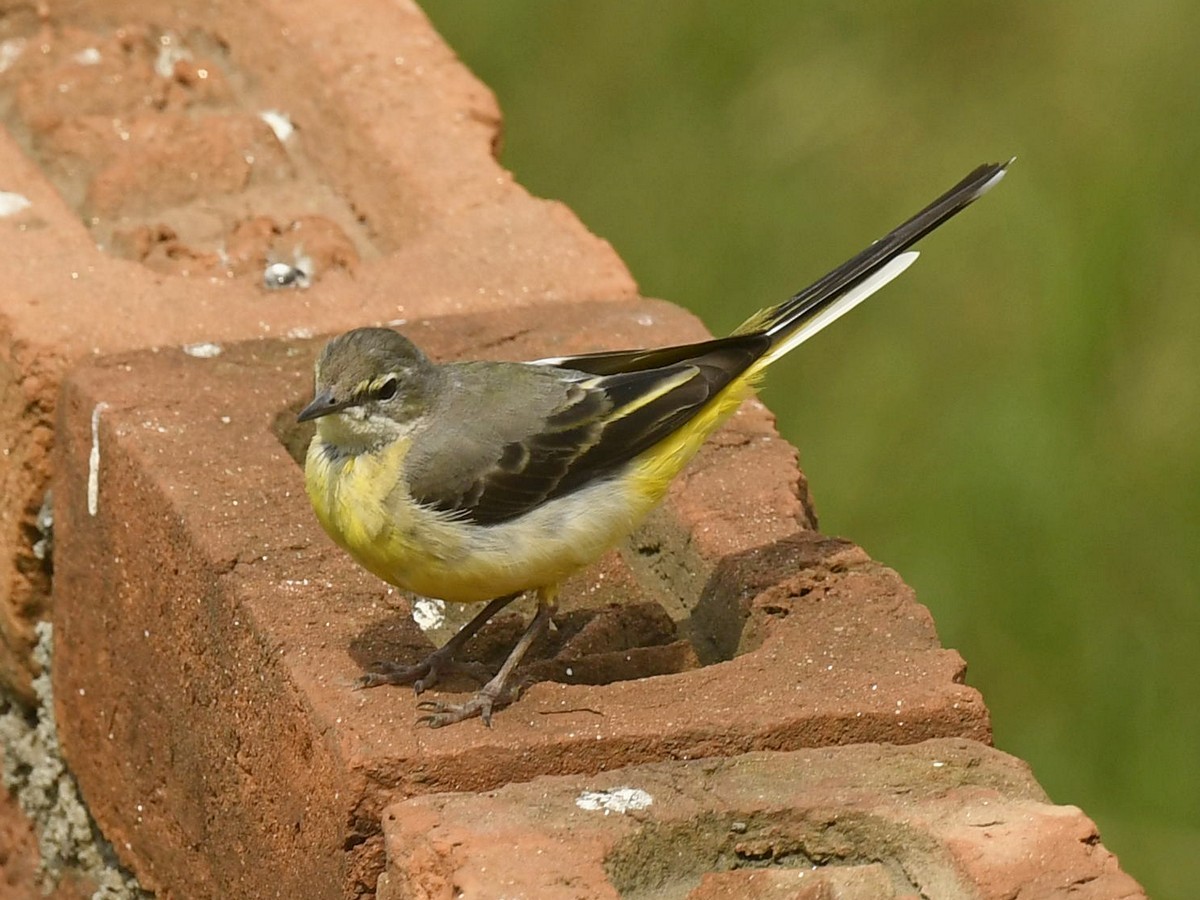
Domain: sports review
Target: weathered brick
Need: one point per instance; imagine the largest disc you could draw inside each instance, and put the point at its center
(209, 632)
(393, 151)
(939, 819)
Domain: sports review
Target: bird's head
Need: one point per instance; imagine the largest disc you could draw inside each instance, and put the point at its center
(371, 385)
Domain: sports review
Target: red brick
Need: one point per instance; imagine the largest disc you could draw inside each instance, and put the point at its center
(944, 818)
(209, 632)
(18, 851)
(865, 882)
(394, 148)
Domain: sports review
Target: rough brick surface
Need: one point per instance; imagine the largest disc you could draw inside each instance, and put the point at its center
(157, 195)
(940, 819)
(18, 850)
(209, 632)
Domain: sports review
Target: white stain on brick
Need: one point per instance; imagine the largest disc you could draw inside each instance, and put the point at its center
(279, 275)
(10, 52)
(93, 487)
(279, 123)
(170, 51)
(88, 56)
(618, 800)
(206, 350)
(10, 203)
(429, 613)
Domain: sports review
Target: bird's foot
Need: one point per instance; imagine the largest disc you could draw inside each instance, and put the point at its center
(492, 696)
(423, 675)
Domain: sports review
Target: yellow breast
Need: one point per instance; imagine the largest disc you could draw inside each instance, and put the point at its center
(359, 500)
(363, 504)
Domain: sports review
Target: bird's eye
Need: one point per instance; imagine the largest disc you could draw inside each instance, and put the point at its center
(387, 390)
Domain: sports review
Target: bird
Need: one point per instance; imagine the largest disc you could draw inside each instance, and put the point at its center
(475, 482)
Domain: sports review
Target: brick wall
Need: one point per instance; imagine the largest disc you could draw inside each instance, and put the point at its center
(776, 703)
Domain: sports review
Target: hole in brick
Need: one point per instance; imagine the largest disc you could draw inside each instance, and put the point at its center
(669, 859)
(175, 150)
(352, 841)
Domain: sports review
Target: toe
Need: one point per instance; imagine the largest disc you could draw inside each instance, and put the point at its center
(369, 680)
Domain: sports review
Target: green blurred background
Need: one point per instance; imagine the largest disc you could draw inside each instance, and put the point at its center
(1015, 424)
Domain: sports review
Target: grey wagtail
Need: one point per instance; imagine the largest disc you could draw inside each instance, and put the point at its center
(474, 482)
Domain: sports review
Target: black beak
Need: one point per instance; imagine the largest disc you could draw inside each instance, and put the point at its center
(322, 405)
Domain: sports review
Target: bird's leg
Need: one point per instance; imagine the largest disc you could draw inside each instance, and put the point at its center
(498, 692)
(440, 662)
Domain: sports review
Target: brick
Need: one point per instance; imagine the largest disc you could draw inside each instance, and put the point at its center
(208, 632)
(943, 818)
(18, 850)
(865, 882)
(140, 171)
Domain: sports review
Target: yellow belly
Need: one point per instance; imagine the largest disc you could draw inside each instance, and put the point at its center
(361, 503)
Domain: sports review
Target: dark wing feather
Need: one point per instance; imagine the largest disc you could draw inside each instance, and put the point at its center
(613, 362)
(596, 424)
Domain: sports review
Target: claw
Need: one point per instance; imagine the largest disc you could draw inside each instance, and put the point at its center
(429, 671)
(481, 703)
(502, 690)
(369, 680)
(497, 693)
(423, 675)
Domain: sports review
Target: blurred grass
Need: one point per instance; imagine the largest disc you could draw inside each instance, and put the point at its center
(1015, 424)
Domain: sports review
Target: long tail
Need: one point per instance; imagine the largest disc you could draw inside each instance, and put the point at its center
(794, 321)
